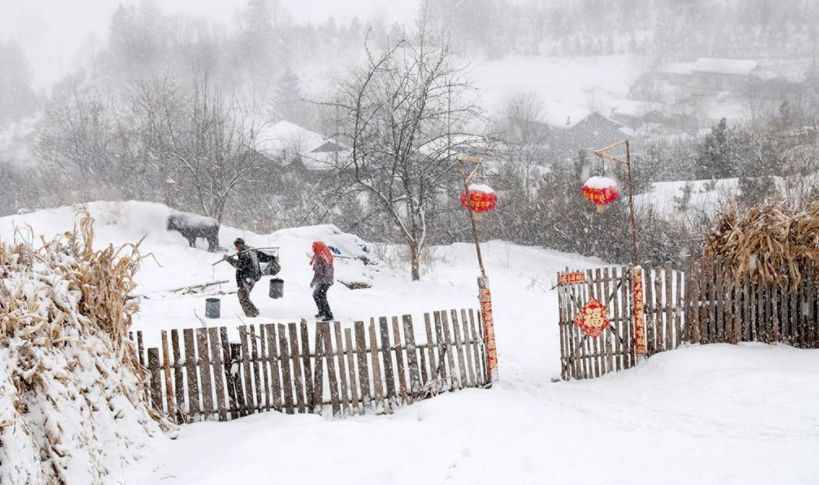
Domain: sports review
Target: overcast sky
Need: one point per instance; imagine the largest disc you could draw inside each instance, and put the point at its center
(52, 31)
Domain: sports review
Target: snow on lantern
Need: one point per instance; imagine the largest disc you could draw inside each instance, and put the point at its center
(479, 198)
(601, 191)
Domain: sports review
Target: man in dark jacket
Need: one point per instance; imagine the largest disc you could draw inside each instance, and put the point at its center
(247, 274)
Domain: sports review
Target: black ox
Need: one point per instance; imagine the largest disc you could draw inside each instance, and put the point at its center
(193, 226)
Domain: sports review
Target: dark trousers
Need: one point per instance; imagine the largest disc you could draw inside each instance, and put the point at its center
(244, 299)
(320, 297)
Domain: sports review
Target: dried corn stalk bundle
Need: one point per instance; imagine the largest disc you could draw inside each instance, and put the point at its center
(768, 244)
(72, 400)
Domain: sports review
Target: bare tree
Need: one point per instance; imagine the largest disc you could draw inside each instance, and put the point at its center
(405, 115)
(204, 140)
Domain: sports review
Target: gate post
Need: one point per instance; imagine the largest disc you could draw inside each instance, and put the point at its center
(485, 299)
(637, 312)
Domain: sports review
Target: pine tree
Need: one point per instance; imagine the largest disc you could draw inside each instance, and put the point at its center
(716, 158)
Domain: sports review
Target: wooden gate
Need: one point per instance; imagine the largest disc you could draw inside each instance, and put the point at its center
(585, 356)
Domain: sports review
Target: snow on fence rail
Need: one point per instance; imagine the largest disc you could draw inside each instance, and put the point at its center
(702, 305)
(368, 368)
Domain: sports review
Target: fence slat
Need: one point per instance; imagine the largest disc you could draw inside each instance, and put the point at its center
(298, 377)
(204, 372)
(247, 392)
(561, 325)
(218, 371)
(678, 311)
(236, 379)
(232, 403)
(456, 336)
(659, 314)
(166, 369)
(399, 360)
(600, 342)
(332, 378)
(350, 353)
(450, 358)
(412, 358)
(273, 356)
(155, 371)
(378, 387)
(470, 368)
(430, 348)
(342, 370)
(318, 373)
(257, 381)
(618, 321)
(179, 379)
(669, 307)
(284, 356)
(476, 348)
(607, 345)
(753, 312)
(363, 371)
(594, 355)
(482, 335)
(263, 363)
(193, 381)
(306, 364)
(389, 375)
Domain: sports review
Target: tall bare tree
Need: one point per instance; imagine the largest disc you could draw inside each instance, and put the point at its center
(203, 140)
(405, 115)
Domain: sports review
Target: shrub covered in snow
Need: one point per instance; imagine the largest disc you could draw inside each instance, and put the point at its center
(72, 401)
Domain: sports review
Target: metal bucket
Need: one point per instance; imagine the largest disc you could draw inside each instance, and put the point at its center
(212, 307)
(276, 288)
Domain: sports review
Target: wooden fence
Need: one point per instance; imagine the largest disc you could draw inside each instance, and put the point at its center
(585, 357)
(721, 309)
(699, 306)
(313, 368)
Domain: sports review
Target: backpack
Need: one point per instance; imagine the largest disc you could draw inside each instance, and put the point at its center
(269, 263)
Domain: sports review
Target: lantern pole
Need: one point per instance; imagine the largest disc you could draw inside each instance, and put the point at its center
(474, 223)
(636, 273)
(604, 155)
(484, 294)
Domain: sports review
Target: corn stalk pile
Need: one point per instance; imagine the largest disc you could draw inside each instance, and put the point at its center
(768, 244)
(72, 394)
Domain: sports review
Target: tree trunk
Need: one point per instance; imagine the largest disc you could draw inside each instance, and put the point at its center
(415, 263)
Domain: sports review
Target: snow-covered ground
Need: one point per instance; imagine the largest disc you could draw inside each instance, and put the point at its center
(702, 414)
(708, 196)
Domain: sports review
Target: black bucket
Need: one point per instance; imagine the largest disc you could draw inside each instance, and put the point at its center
(212, 308)
(276, 288)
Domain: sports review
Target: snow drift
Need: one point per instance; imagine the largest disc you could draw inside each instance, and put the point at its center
(72, 402)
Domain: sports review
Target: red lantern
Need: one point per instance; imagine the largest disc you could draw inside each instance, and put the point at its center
(479, 198)
(601, 191)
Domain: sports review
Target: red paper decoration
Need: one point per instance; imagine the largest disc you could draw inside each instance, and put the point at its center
(592, 319)
(480, 198)
(601, 191)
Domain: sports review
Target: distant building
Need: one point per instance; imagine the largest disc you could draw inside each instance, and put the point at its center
(706, 89)
(297, 148)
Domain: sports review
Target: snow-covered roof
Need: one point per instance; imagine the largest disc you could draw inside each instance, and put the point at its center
(630, 107)
(716, 65)
(287, 141)
(284, 136)
(792, 70)
(678, 68)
